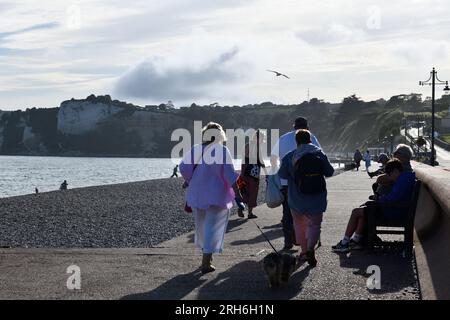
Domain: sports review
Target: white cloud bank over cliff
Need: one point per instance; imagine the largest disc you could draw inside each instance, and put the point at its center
(208, 51)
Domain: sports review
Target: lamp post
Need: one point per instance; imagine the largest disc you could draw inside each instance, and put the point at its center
(433, 81)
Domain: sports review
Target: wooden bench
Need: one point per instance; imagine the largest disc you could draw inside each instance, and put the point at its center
(377, 223)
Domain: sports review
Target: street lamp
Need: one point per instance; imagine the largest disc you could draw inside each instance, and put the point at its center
(433, 81)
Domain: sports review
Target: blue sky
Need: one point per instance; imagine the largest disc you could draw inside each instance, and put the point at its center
(151, 51)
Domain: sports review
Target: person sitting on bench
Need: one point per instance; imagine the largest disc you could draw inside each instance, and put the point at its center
(383, 159)
(401, 191)
(384, 184)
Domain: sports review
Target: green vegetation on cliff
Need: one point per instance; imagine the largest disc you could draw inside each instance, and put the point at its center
(137, 131)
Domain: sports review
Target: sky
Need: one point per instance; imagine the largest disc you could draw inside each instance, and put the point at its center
(186, 51)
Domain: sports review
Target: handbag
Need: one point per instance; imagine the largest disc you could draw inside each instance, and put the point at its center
(187, 208)
(274, 196)
(252, 170)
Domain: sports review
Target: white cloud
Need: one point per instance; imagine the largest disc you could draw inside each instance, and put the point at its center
(158, 50)
(158, 80)
(333, 34)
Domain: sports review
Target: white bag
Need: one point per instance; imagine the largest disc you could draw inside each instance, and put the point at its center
(274, 196)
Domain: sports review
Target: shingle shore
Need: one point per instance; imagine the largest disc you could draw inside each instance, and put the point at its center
(134, 215)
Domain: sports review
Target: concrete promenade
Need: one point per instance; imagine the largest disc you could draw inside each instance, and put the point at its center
(170, 270)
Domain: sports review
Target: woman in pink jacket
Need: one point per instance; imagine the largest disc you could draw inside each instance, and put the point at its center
(208, 170)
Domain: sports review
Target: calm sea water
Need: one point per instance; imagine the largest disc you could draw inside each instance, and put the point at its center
(20, 175)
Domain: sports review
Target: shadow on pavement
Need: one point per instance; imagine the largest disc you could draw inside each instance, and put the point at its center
(244, 281)
(174, 289)
(274, 226)
(397, 272)
(247, 281)
(272, 234)
(234, 224)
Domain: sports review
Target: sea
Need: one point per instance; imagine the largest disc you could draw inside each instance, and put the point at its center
(21, 175)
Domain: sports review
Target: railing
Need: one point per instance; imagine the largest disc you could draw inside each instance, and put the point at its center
(442, 144)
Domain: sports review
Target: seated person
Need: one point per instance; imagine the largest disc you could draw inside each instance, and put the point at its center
(401, 191)
(384, 184)
(383, 159)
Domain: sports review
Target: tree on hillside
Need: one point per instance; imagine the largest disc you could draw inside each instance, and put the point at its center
(352, 102)
(267, 104)
(315, 101)
(351, 106)
(443, 103)
(407, 102)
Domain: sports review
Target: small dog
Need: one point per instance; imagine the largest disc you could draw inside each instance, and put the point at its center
(278, 268)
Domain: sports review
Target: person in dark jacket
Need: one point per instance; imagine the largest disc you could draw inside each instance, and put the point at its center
(63, 185)
(175, 172)
(401, 191)
(357, 157)
(307, 204)
(250, 173)
(403, 153)
(383, 159)
(286, 144)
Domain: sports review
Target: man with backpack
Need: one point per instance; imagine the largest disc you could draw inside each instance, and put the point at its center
(286, 144)
(305, 169)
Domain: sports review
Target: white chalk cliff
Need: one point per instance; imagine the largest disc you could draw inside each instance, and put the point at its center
(80, 116)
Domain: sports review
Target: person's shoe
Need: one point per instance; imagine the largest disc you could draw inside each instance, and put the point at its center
(370, 174)
(311, 258)
(301, 258)
(240, 213)
(252, 216)
(355, 245)
(341, 248)
(287, 247)
(206, 263)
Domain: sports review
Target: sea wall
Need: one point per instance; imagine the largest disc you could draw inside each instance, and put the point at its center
(432, 226)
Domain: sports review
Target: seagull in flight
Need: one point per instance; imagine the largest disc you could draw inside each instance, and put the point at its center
(278, 73)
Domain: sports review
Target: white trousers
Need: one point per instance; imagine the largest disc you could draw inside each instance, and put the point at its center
(210, 227)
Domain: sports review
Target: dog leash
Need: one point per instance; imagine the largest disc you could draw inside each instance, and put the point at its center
(265, 237)
(319, 243)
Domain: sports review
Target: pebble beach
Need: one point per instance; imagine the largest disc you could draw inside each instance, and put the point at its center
(128, 215)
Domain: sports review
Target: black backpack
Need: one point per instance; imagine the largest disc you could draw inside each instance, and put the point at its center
(309, 174)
